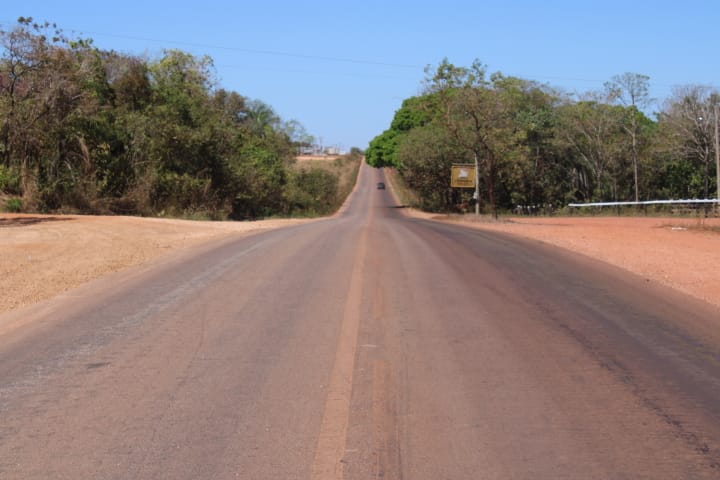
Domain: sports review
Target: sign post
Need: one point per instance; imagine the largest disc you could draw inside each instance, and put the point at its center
(477, 188)
(465, 176)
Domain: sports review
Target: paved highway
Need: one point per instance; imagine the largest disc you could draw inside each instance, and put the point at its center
(368, 345)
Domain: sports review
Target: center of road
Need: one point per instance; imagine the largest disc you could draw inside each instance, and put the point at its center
(333, 431)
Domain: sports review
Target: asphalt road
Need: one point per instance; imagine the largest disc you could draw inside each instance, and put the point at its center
(369, 345)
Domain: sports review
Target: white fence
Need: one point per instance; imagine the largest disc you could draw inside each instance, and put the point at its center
(645, 203)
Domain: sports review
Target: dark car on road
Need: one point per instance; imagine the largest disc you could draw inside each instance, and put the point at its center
(381, 186)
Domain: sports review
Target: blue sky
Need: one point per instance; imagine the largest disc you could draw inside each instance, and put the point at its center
(343, 68)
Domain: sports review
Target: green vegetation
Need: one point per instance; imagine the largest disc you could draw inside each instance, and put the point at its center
(539, 147)
(9, 179)
(93, 131)
(319, 187)
(13, 205)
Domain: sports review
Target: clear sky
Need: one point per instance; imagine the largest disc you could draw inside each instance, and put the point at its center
(342, 68)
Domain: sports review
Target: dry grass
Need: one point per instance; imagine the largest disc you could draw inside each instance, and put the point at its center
(44, 255)
(317, 158)
(406, 196)
(345, 167)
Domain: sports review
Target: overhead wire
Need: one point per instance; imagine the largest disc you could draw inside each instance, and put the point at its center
(247, 50)
(278, 53)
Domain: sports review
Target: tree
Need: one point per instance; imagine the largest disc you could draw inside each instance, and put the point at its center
(536, 174)
(426, 155)
(99, 131)
(506, 121)
(382, 151)
(478, 116)
(632, 91)
(129, 78)
(297, 134)
(687, 121)
(592, 131)
(415, 112)
(26, 56)
(261, 118)
(55, 108)
(629, 89)
(537, 146)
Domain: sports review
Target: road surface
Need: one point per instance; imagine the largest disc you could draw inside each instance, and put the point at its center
(369, 345)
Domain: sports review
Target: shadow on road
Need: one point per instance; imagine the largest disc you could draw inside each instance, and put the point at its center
(25, 221)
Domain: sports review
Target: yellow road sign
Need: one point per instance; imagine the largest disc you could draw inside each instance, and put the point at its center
(463, 176)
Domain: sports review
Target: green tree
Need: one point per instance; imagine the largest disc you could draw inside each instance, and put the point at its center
(632, 91)
(426, 155)
(687, 124)
(95, 131)
(382, 151)
(591, 131)
(415, 112)
(535, 174)
(478, 115)
(26, 57)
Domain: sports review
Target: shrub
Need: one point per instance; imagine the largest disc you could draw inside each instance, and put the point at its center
(13, 205)
(180, 193)
(9, 180)
(312, 192)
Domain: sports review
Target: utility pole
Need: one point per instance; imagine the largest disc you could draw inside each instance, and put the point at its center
(717, 155)
(477, 181)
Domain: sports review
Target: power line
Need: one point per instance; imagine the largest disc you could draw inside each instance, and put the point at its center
(248, 50)
(263, 52)
(278, 53)
(222, 66)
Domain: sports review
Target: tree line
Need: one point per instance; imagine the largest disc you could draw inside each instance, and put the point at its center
(536, 145)
(89, 130)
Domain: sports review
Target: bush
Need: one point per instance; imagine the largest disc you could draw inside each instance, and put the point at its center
(180, 193)
(9, 180)
(13, 205)
(312, 192)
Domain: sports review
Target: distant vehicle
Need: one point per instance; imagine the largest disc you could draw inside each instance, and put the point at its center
(381, 186)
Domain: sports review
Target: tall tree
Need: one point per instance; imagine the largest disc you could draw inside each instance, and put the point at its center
(533, 176)
(632, 91)
(25, 63)
(426, 155)
(415, 112)
(688, 122)
(477, 116)
(102, 131)
(592, 130)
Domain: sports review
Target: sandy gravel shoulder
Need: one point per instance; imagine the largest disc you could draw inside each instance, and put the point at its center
(42, 256)
(680, 253)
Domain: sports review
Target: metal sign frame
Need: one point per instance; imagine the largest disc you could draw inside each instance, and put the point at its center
(463, 175)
